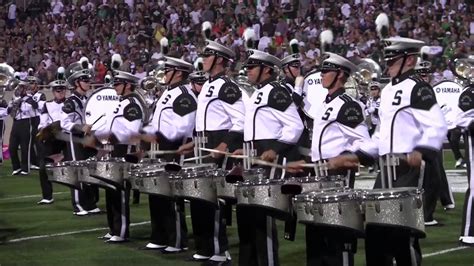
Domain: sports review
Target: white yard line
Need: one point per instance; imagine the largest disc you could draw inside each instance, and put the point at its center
(31, 196)
(444, 251)
(71, 232)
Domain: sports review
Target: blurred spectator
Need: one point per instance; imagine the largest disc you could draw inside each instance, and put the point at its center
(47, 36)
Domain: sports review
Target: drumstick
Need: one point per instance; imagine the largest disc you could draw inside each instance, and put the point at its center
(162, 152)
(265, 163)
(196, 158)
(97, 120)
(230, 155)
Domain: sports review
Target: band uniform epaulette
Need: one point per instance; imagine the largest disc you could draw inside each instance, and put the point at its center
(279, 98)
(184, 103)
(230, 91)
(466, 99)
(351, 113)
(422, 96)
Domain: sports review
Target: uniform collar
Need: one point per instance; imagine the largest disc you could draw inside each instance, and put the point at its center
(177, 84)
(335, 94)
(403, 76)
(290, 81)
(263, 83)
(59, 101)
(220, 74)
(78, 95)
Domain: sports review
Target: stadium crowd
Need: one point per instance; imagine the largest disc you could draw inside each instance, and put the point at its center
(46, 35)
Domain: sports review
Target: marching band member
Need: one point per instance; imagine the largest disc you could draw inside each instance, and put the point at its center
(272, 127)
(373, 105)
(219, 125)
(339, 127)
(465, 120)
(412, 129)
(22, 108)
(40, 98)
(172, 124)
(78, 75)
(198, 77)
(52, 112)
(126, 121)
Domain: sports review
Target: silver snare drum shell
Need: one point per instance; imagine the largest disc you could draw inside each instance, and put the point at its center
(84, 177)
(64, 173)
(198, 184)
(312, 183)
(339, 209)
(110, 170)
(303, 204)
(265, 194)
(396, 207)
(154, 182)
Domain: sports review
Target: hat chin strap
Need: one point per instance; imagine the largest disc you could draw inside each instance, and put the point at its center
(260, 72)
(172, 76)
(334, 80)
(402, 65)
(293, 76)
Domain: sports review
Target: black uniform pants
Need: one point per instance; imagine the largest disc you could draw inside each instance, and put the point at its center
(454, 138)
(445, 193)
(20, 136)
(86, 198)
(209, 228)
(35, 120)
(118, 211)
(258, 238)
(168, 224)
(46, 149)
(383, 243)
(467, 228)
(2, 136)
(327, 246)
(117, 202)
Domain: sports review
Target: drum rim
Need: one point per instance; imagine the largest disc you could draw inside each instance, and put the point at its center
(334, 197)
(391, 193)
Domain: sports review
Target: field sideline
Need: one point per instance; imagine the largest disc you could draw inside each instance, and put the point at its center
(51, 235)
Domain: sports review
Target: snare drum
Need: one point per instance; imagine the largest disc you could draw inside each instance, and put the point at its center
(396, 207)
(110, 170)
(339, 209)
(154, 182)
(64, 173)
(84, 177)
(265, 194)
(303, 204)
(226, 190)
(196, 182)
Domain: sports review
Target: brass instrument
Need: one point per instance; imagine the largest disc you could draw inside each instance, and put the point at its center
(242, 81)
(463, 67)
(8, 81)
(367, 70)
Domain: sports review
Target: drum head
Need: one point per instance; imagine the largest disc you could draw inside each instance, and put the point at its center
(100, 107)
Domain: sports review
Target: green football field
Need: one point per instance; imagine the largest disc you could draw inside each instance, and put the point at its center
(51, 235)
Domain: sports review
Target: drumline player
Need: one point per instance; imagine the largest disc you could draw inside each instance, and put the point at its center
(466, 104)
(411, 119)
(339, 128)
(51, 112)
(79, 75)
(272, 127)
(172, 124)
(126, 121)
(219, 125)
